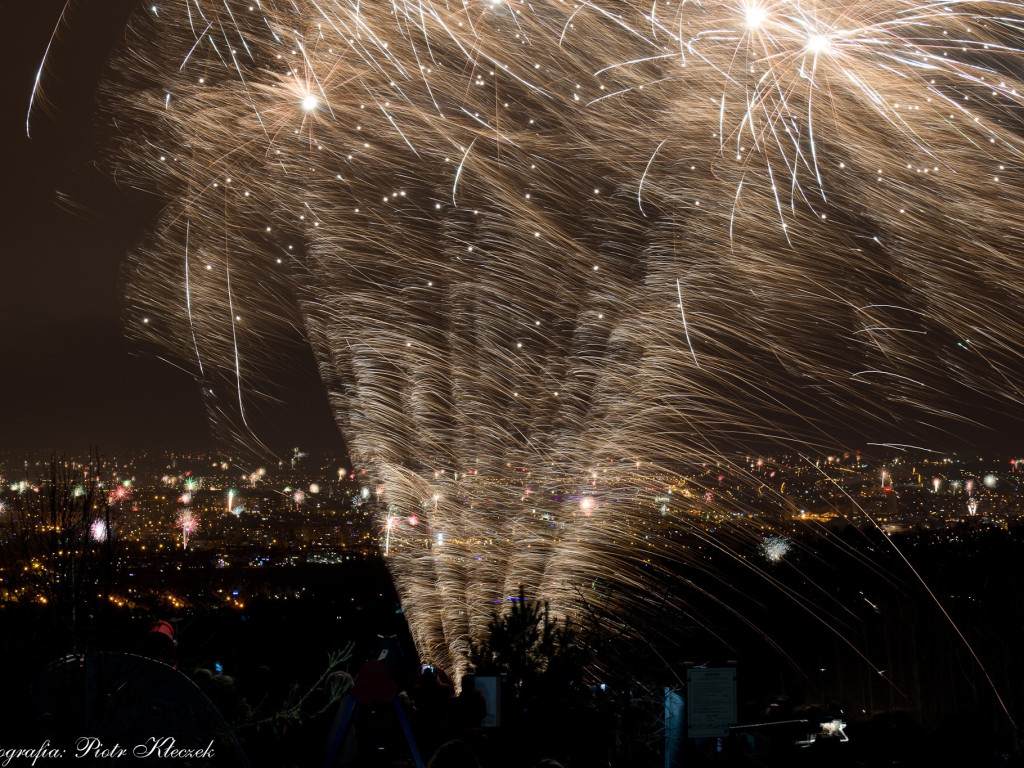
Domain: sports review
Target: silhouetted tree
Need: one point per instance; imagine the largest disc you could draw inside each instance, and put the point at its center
(535, 652)
(58, 545)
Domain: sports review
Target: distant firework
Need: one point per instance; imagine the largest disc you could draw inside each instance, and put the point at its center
(118, 494)
(547, 252)
(775, 548)
(99, 531)
(188, 523)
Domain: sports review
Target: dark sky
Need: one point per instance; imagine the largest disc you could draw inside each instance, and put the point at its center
(70, 380)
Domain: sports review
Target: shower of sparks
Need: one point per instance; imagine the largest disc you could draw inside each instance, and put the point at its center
(488, 218)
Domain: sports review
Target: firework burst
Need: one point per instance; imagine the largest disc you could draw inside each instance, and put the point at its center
(546, 252)
(188, 523)
(774, 548)
(99, 530)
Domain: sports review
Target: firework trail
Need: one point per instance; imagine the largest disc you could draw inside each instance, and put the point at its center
(547, 252)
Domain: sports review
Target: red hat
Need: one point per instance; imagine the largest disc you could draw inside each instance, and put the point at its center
(164, 628)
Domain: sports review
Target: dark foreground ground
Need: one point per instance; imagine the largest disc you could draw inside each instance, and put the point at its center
(251, 683)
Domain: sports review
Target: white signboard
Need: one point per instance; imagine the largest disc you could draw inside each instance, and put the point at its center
(490, 689)
(711, 701)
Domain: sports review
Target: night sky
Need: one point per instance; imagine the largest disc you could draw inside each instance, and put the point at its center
(70, 378)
